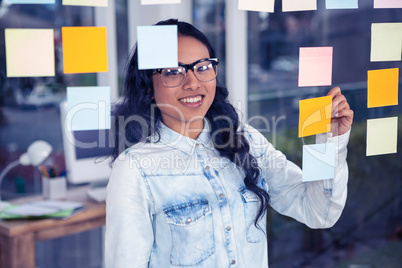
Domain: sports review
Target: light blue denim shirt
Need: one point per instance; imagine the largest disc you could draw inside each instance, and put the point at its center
(177, 203)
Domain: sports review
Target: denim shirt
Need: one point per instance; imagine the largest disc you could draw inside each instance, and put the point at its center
(176, 203)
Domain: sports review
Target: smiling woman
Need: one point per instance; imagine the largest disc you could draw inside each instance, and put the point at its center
(209, 212)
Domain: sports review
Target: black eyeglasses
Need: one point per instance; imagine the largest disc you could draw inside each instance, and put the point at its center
(205, 70)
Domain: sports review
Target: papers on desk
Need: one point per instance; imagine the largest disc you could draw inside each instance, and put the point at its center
(42, 209)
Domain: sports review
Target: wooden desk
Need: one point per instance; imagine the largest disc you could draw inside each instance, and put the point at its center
(18, 237)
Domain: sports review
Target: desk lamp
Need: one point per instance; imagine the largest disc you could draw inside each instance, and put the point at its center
(37, 152)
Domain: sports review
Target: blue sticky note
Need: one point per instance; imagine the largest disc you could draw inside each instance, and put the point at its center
(341, 4)
(88, 108)
(157, 46)
(30, 1)
(318, 162)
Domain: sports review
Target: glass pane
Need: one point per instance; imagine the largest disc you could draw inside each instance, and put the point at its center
(369, 230)
(29, 106)
(208, 17)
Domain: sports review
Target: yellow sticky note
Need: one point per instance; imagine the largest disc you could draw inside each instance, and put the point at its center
(298, 5)
(99, 3)
(382, 136)
(29, 52)
(84, 49)
(315, 116)
(257, 5)
(382, 86)
(386, 42)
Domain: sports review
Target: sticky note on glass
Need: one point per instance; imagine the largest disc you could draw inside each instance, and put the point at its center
(382, 86)
(387, 4)
(315, 66)
(88, 108)
(257, 5)
(30, 1)
(29, 52)
(386, 41)
(315, 116)
(84, 49)
(157, 46)
(318, 162)
(382, 136)
(99, 3)
(299, 5)
(341, 4)
(158, 2)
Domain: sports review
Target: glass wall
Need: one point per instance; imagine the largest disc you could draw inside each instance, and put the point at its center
(369, 232)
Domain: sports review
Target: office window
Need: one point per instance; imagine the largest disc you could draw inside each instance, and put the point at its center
(369, 232)
(209, 18)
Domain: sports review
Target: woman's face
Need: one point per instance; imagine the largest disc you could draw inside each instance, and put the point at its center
(188, 103)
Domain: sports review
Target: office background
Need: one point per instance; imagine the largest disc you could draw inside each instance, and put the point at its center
(259, 55)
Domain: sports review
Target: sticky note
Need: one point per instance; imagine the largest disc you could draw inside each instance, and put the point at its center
(88, 108)
(382, 86)
(315, 116)
(386, 41)
(99, 3)
(29, 52)
(318, 162)
(387, 4)
(257, 5)
(341, 4)
(157, 46)
(382, 136)
(298, 5)
(157, 2)
(315, 66)
(30, 1)
(84, 49)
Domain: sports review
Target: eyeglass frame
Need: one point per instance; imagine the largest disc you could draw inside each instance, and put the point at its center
(188, 67)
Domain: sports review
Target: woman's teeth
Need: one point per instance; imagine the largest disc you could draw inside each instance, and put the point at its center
(191, 100)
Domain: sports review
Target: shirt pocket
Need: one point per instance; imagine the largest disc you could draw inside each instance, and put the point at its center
(251, 205)
(192, 233)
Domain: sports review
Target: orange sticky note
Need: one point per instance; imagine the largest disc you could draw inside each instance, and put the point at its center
(382, 86)
(84, 49)
(315, 116)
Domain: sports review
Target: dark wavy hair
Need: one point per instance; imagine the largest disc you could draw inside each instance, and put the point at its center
(139, 109)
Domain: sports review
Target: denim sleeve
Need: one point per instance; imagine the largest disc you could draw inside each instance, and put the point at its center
(318, 204)
(128, 217)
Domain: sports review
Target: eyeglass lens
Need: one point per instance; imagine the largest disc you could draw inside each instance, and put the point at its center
(205, 71)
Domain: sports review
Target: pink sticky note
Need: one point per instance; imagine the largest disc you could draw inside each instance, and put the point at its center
(387, 4)
(315, 66)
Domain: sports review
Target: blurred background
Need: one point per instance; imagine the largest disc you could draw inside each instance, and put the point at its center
(259, 55)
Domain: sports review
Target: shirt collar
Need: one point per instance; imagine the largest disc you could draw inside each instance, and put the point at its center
(185, 144)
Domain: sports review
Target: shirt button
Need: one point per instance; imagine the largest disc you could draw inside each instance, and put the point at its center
(221, 196)
(233, 262)
(228, 228)
(207, 167)
(189, 220)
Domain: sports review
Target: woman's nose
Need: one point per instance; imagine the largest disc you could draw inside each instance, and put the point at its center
(191, 82)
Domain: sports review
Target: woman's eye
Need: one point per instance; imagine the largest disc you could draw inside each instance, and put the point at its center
(173, 72)
(203, 68)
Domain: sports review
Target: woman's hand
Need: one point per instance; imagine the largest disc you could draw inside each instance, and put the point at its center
(341, 115)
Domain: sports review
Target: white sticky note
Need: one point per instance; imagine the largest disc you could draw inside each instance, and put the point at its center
(387, 4)
(29, 1)
(98, 3)
(386, 41)
(257, 5)
(157, 46)
(29, 52)
(318, 162)
(158, 2)
(298, 5)
(341, 4)
(88, 108)
(382, 136)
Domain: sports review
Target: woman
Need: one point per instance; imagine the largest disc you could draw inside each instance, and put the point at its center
(193, 188)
